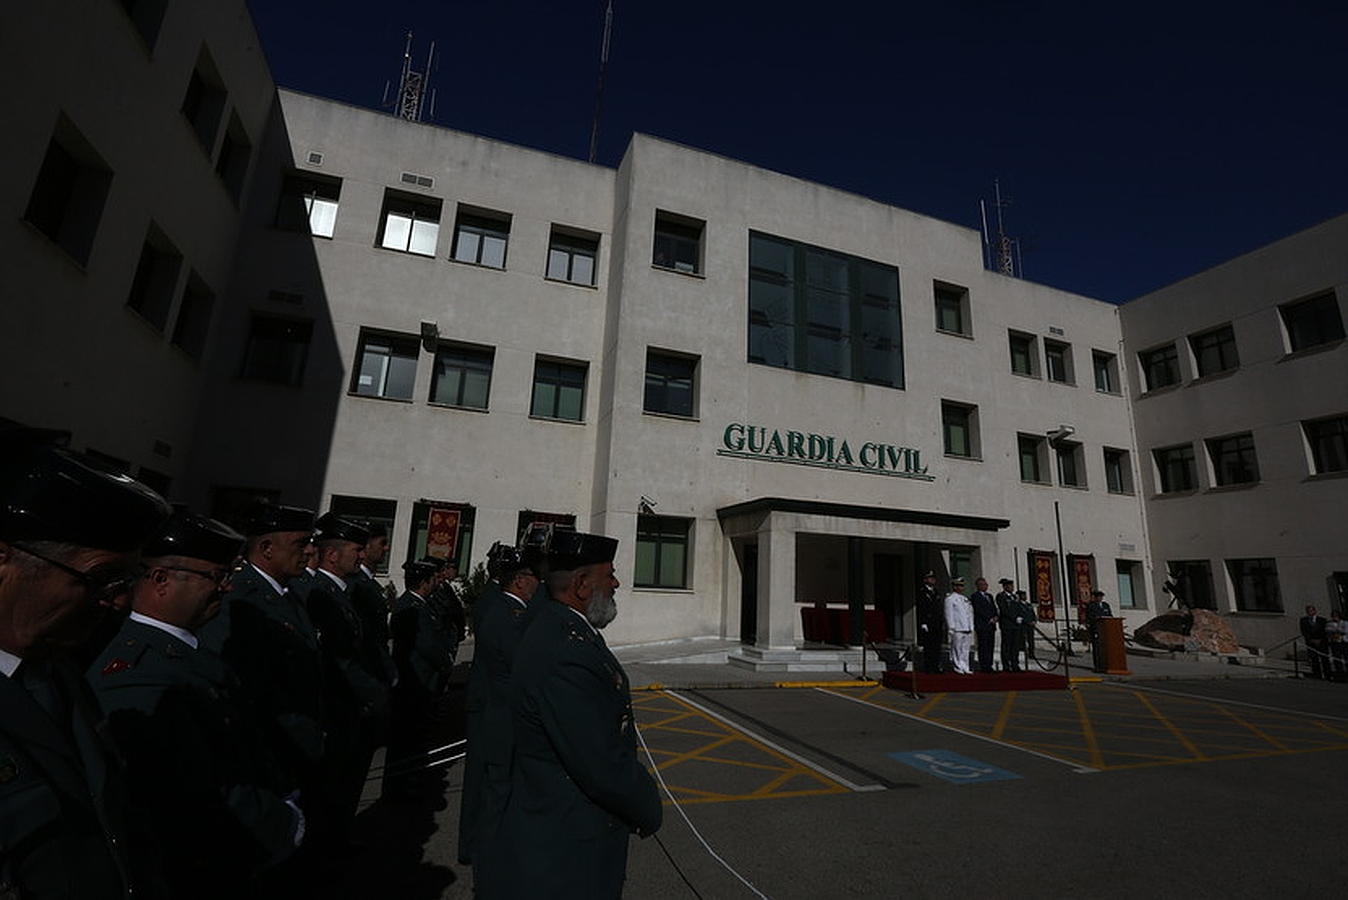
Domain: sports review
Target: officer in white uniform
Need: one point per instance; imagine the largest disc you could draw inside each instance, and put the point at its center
(959, 621)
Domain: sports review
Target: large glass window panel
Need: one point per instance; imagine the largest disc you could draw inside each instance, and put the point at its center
(424, 236)
(1160, 367)
(559, 390)
(661, 552)
(1176, 468)
(677, 245)
(386, 366)
(1022, 354)
(1329, 444)
(1233, 459)
(1313, 321)
(1214, 351)
(1255, 582)
(669, 384)
(397, 231)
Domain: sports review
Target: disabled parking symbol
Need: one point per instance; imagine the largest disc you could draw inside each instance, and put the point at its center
(953, 767)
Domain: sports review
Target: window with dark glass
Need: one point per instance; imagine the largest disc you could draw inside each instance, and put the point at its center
(1255, 583)
(1128, 577)
(1233, 459)
(1071, 465)
(1106, 367)
(1328, 439)
(1313, 321)
(277, 350)
(235, 153)
(952, 308)
(480, 237)
(1160, 367)
(194, 317)
(961, 563)
(66, 203)
(386, 365)
(1118, 471)
(147, 16)
(369, 509)
(571, 257)
(204, 101)
(1058, 357)
(156, 280)
(1031, 452)
(661, 552)
(529, 518)
(814, 310)
(1191, 583)
(559, 390)
(1023, 355)
(462, 375)
(309, 203)
(670, 384)
(1214, 351)
(410, 223)
(678, 243)
(959, 427)
(1176, 469)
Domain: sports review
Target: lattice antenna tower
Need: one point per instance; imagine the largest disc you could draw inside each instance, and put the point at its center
(414, 89)
(603, 69)
(1004, 249)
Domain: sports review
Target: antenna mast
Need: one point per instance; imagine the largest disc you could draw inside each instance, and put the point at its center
(412, 86)
(1004, 251)
(599, 91)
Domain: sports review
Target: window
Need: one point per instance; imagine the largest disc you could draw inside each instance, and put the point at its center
(1328, 439)
(671, 387)
(369, 509)
(662, 552)
(1058, 361)
(232, 164)
(1024, 358)
(1175, 466)
(559, 390)
(1313, 321)
(1106, 366)
(1255, 584)
(961, 564)
(204, 103)
(1160, 367)
(1031, 451)
(1128, 577)
(451, 537)
(309, 203)
(480, 237)
(528, 518)
(1233, 460)
(462, 375)
(1118, 471)
(276, 351)
(194, 317)
(952, 309)
(959, 427)
(156, 280)
(147, 16)
(813, 310)
(1190, 582)
(1071, 464)
(571, 256)
(678, 243)
(66, 203)
(386, 365)
(410, 223)
(1214, 351)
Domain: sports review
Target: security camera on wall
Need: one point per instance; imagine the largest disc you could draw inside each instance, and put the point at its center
(646, 505)
(1061, 433)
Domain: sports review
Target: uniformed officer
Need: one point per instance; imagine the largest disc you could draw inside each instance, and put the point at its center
(190, 745)
(930, 623)
(69, 534)
(369, 600)
(486, 775)
(1097, 609)
(1011, 622)
(1027, 613)
(578, 788)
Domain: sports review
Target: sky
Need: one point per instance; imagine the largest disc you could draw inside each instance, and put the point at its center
(1137, 143)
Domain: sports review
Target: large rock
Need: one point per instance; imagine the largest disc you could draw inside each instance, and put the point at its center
(1211, 633)
(1195, 631)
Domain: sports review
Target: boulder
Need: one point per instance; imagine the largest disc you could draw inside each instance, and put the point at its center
(1211, 633)
(1194, 631)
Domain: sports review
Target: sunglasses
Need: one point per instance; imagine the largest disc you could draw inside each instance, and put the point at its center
(102, 582)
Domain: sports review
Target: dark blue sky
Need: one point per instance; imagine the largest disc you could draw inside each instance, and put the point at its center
(1139, 143)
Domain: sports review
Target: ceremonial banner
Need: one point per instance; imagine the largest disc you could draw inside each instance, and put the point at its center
(442, 533)
(1041, 574)
(1082, 583)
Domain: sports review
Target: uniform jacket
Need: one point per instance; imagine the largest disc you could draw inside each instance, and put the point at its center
(354, 693)
(1097, 609)
(1313, 628)
(368, 599)
(578, 787)
(1008, 610)
(930, 611)
(423, 647)
(985, 611)
(959, 613)
(195, 758)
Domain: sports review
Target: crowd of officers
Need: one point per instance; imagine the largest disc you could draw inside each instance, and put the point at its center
(966, 622)
(191, 710)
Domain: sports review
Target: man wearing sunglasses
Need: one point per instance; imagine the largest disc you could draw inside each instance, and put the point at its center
(69, 537)
(173, 711)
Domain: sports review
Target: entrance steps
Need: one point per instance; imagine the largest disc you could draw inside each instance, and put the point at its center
(823, 659)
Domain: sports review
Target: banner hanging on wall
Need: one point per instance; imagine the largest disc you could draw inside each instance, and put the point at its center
(1041, 570)
(442, 533)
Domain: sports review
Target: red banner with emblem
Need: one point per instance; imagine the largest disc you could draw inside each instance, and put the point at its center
(1041, 572)
(1082, 584)
(442, 533)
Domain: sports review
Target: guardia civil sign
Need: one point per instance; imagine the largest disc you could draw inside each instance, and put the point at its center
(762, 443)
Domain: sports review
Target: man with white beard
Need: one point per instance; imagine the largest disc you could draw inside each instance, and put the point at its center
(578, 788)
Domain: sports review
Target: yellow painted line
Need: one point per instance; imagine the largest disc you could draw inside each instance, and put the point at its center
(1256, 755)
(1331, 729)
(1179, 735)
(868, 682)
(930, 705)
(775, 783)
(745, 764)
(872, 692)
(1085, 679)
(693, 754)
(1004, 717)
(675, 717)
(1088, 732)
(692, 731)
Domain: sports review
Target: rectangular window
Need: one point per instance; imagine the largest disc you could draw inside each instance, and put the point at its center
(1313, 321)
(1031, 451)
(1328, 439)
(814, 310)
(952, 309)
(1214, 351)
(277, 350)
(453, 538)
(1176, 469)
(960, 564)
(1128, 577)
(571, 256)
(671, 384)
(480, 237)
(1190, 581)
(462, 375)
(1160, 367)
(662, 552)
(66, 203)
(1255, 584)
(1106, 366)
(156, 280)
(559, 390)
(309, 203)
(194, 317)
(410, 223)
(959, 426)
(1071, 464)
(369, 509)
(1058, 362)
(235, 153)
(1233, 459)
(1024, 358)
(204, 102)
(1118, 471)
(678, 243)
(386, 365)
(529, 518)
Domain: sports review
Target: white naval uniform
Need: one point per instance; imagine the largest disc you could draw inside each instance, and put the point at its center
(959, 620)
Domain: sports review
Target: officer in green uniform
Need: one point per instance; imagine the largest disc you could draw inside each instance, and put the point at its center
(189, 744)
(367, 596)
(578, 788)
(500, 624)
(424, 654)
(69, 535)
(1011, 622)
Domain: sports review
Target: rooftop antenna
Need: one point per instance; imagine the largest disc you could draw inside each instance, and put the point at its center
(413, 85)
(1003, 254)
(599, 91)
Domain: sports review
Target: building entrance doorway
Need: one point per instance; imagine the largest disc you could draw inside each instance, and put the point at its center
(749, 594)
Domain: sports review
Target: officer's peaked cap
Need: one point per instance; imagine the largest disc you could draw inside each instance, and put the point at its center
(196, 536)
(376, 529)
(418, 570)
(433, 561)
(332, 527)
(1005, 581)
(573, 549)
(269, 518)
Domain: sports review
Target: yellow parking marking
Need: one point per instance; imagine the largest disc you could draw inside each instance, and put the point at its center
(931, 704)
(1005, 716)
(1088, 731)
(1170, 726)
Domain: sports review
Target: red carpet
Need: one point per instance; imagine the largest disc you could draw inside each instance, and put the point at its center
(997, 681)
